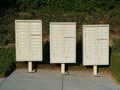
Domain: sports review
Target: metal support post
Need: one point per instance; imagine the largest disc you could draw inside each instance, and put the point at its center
(62, 68)
(95, 70)
(30, 66)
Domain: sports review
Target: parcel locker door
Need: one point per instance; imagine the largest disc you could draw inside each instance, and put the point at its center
(36, 41)
(70, 43)
(103, 45)
(35, 48)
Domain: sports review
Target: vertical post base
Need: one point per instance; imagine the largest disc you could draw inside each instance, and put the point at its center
(30, 66)
(63, 72)
(95, 71)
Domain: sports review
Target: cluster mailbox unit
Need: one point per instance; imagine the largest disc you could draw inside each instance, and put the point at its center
(62, 43)
(95, 45)
(28, 41)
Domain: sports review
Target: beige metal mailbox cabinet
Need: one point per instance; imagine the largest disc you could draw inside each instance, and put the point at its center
(95, 45)
(28, 40)
(63, 42)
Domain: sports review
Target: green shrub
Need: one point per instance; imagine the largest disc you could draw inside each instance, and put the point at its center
(116, 46)
(7, 61)
(115, 59)
(7, 35)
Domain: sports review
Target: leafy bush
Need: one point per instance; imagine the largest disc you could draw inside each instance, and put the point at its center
(115, 59)
(7, 35)
(7, 60)
(116, 46)
(67, 5)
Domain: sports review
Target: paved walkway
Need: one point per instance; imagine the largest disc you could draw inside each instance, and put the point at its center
(52, 80)
(1, 80)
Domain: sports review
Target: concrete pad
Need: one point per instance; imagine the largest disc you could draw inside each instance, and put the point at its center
(41, 80)
(85, 81)
(1, 80)
(52, 80)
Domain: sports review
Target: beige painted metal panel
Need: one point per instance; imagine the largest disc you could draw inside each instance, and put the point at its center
(62, 42)
(28, 40)
(95, 44)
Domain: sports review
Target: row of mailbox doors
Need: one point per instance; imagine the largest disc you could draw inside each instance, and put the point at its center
(62, 42)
